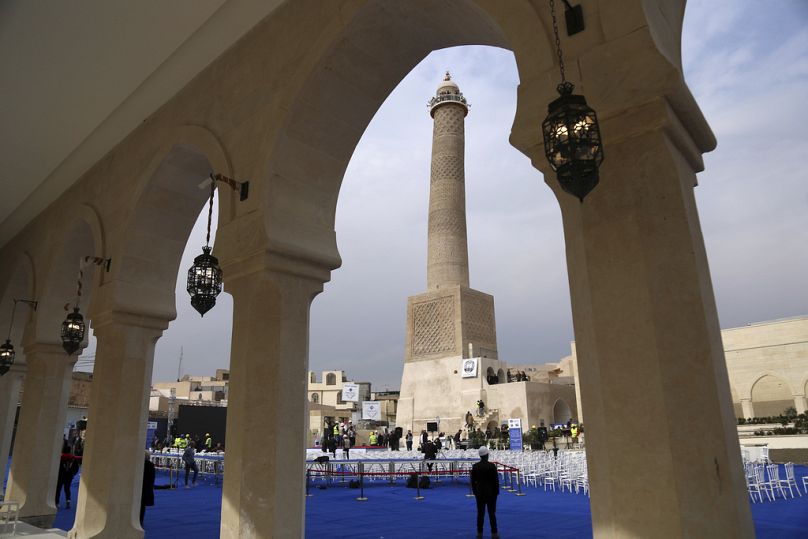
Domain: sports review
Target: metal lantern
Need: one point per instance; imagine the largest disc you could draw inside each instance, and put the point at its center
(73, 331)
(6, 357)
(204, 281)
(571, 133)
(572, 142)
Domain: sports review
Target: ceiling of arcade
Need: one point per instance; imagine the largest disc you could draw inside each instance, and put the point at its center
(85, 76)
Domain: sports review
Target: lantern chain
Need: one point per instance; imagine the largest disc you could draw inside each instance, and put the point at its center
(210, 208)
(557, 42)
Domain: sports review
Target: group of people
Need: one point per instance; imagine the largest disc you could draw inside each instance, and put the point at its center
(201, 443)
(338, 435)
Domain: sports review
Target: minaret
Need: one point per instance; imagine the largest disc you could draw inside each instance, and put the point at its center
(450, 326)
(448, 257)
(449, 316)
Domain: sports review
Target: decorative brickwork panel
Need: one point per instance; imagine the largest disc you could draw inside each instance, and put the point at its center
(478, 319)
(449, 120)
(433, 327)
(447, 166)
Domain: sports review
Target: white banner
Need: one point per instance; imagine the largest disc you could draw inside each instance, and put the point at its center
(468, 368)
(371, 410)
(350, 392)
(515, 423)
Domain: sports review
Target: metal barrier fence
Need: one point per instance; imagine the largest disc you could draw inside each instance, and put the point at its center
(388, 471)
(210, 466)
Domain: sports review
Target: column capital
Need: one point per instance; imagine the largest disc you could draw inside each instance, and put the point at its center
(277, 263)
(36, 350)
(121, 318)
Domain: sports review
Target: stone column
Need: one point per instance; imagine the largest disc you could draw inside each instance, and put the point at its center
(799, 403)
(35, 466)
(263, 492)
(10, 384)
(447, 254)
(650, 355)
(112, 474)
(748, 408)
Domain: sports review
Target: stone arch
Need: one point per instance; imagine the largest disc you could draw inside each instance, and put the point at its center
(501, 376)
(330, 379)
(315, 398)
(771, 394)
(343, 92)
(59, 282)
(168, 203)
(490, 375)
(561, 411)
(18, 284)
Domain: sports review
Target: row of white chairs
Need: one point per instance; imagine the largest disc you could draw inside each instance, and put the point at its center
(765, 479)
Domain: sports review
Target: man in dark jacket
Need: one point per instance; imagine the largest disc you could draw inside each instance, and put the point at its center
(147, 494)
(485, 486)
(430, 453)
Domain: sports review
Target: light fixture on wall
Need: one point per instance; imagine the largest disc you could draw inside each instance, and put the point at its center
(73, 328)
(571, 133)
(7, 352)
(205, 276)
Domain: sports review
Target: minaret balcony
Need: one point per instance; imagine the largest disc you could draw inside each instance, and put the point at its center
(443, 99)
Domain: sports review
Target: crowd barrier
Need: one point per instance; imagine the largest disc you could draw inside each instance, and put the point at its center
(389, 470)
(211, 466)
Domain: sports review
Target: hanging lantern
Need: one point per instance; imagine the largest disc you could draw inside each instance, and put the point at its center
(204, 281)
(205, 276)
(7, 352)
(6, 357)
(571, 134)
(73, 331)
(572, 142)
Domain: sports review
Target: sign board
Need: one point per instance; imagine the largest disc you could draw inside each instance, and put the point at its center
(515, 433)
(350, 392)
(468, 367)
(371, 410)
(151, 428)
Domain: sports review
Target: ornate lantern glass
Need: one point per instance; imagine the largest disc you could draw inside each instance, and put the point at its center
(6, 357)
(572, 142)
(73, 331)
(204, 281)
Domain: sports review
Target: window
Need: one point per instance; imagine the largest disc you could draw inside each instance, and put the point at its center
(331, 379)
(315, 398)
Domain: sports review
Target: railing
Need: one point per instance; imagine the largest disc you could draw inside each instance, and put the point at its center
(447, 98)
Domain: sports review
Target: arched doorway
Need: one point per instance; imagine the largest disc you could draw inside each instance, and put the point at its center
(771, 396)
(561, 412)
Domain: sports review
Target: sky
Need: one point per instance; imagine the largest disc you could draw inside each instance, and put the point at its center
(745, 62)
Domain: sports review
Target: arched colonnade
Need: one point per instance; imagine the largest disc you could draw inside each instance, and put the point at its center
(284, 108)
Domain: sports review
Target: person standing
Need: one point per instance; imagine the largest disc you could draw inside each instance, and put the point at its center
(485, 486)
(190, 463)
(346, 447)
(408, 439)
(208, 442)
(430, 453)
(68, 468)
(147, 494)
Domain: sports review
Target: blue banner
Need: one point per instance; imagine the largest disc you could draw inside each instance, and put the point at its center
(516, 439)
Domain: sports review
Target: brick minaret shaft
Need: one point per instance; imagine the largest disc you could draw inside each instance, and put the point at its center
(447, 258)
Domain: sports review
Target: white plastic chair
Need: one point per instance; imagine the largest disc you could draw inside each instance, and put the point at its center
(791, 480)
(774, 480)
(9, 514)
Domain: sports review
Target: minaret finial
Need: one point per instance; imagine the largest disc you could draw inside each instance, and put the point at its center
(448, 76)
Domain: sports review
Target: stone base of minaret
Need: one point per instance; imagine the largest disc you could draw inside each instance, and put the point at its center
(453, 321)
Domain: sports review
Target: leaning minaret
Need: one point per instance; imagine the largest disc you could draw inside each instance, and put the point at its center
(448, 256)
(451, 332)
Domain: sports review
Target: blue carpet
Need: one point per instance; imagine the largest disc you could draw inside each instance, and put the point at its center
(391, 512)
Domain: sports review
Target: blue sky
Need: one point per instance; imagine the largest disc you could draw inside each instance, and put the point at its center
(747, 65)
